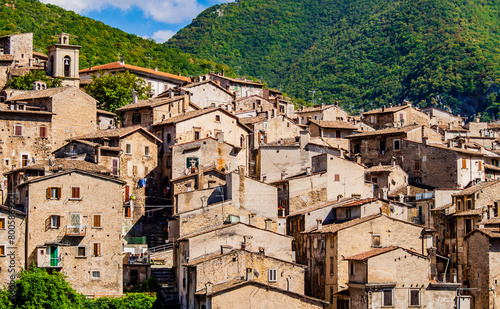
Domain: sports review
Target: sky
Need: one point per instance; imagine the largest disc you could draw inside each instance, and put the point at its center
(157, 19)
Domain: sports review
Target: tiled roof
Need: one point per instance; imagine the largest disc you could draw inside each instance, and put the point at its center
(334, 124)
(333, 228)
(66, 164)
(475, 188)
(191, 85)
(101, 111)
(4, 108)
(492, 221)
(380, 168)
(236, 283)
(226, 226)
(442, 207)
(453, 128)
(355, 203)
(89, 173)
(6, 57)
(188, 115)
(414, 190)
(38, 94)
(238, 81)
(491, 167)
(386, 131)
(490, 232)
(472, 212)
(316, 108)
(460, 150)
(377, 251)
(116, 133)
(322, 205)
(40, 54)
(150, 103)
(370, 253)
(386, 110)
(232, 252)
(120, 65)
(252, 120)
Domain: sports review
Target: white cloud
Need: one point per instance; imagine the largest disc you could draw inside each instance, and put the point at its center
(167, 11)
(161, 36)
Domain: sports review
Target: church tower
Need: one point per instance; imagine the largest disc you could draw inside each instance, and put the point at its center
(64, 61)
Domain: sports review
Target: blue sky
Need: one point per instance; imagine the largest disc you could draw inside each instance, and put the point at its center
(157, 19)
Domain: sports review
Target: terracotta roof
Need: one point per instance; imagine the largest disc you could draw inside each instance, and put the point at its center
(453, 128)
(237, 283)
(4, 108)
(387, 131)
(40, 54)
(442, 207)
(475, 188)
(322, 205)
(6, 57)
(386, 110)
(460, 150)
(316, 108)
(252, 120)
(334, 124)
(66, 164)
(370, 253)
(150, 103)
(380, 168)
(238, 81)
(377, 251)
(355, 203)
(38, 94)
(120, 65)
(490, 232)
(491, 167)
(116, 133)
(492, 221)
(92, 174)
(101, 111)
(414, 190)
(472, 212)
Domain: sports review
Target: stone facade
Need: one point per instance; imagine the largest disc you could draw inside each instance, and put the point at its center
(208, 94)
(252, 103)
(64, 61)
(270, 128)
(70, 229)
(401, 115)
(240, 87)
(321, 112)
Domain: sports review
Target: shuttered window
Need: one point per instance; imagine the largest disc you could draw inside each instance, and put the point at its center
(97, 221)
(53, 193)
(75, 192)
(96, 249)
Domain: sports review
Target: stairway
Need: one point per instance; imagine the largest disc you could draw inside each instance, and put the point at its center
(167, 295)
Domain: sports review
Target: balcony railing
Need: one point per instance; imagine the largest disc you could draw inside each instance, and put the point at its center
(51, 263)
(76, 230)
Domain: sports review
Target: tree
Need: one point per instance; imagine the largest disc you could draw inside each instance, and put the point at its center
(115, 90)
(25, 82)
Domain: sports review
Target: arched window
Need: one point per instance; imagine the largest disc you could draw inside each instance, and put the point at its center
(67, 66)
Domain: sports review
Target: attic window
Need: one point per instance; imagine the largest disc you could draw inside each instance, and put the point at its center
(217, 118)
(136, 118)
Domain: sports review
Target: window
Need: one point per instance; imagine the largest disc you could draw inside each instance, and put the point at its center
(81, 251)
(43, 131)
(95, 275)
(169, 138)
(376, 241)
(338, 134)
(480, 165)
(96, 249)
(459, 204)
(134, 170)
(468, 226)
(115, 166)
(18, 130)
(387, 298)
(414, 297)
(96, 222)
(469, 204)
(55, 221)
(53, 193)
(146, 151)
(2, 223)
(128, 148)
(351, 270)
(196, 135)
(268, 224)
(331, 266)
(128, 212)
(357, 148)
(217, 118)
(382, 146)
(417, 166)
(24, 160)
(337, 177)
(375, 180)
(464, 163)
(397, 144)
(372, 119)
(136, 118)
(75, 192)
(272, 275)
(2, 250)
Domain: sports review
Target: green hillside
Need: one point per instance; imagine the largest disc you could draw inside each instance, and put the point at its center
(100, 43)
(363, 53)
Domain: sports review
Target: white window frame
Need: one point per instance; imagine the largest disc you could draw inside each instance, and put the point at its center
(127, 146)
(52, 225)
(272, 275)
(22, 129)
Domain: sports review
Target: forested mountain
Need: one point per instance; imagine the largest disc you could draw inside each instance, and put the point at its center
(100, 43)
(363, 53)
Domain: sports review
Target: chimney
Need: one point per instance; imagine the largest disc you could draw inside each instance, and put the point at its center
(170, 93)
(450, 125)
(322, 105)
(251, 219)
(319, 224)
(134, 96)
(273, 112)
(223, 72)
(156, 69)
(304, 138)
(384, 193)
(383, 108)
(393, 162)
(268, 115)
(308, 170)
(209, 286)
(401, 198)
(201, 184)
(408, 190)
(358, 159)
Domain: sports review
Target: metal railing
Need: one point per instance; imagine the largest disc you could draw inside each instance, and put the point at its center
(76, 230)
(51, 263)
(165, 247)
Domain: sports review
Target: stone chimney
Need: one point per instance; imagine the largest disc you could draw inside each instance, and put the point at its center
(308, 170)
(322, 105)
(401, 198)
(393, 162)
(304, 138)
(319, 224)
(170, 93)
(134, 96)
(223, 72)
(251, 219)
(358, 159)
(156, 69)
(209, 286)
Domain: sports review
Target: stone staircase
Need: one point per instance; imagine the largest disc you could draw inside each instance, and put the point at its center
(167, 295)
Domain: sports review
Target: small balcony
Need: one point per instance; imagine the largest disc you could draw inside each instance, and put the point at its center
(49, 262)
(76, 230)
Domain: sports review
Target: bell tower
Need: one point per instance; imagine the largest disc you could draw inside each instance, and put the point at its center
(64, 61)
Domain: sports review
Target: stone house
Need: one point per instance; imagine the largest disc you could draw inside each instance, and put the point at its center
(148, 112)
(252, 294)
(105, 120)
(157, 80)
(442, 117)
(270, 128)
(208, 94)
(333, 132)
(395, 277)
(483, 264)
(69, 229)
(484, 134)
(16, 51)
(428, 202)
(218, 240)
(131, 153)
(321, 112)
(451, 131)
(239, 264)
(252, 103)
(395, 116)
(379, 147)
(240, 87)
(37, 122)
(327, 245)
(386, 179)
